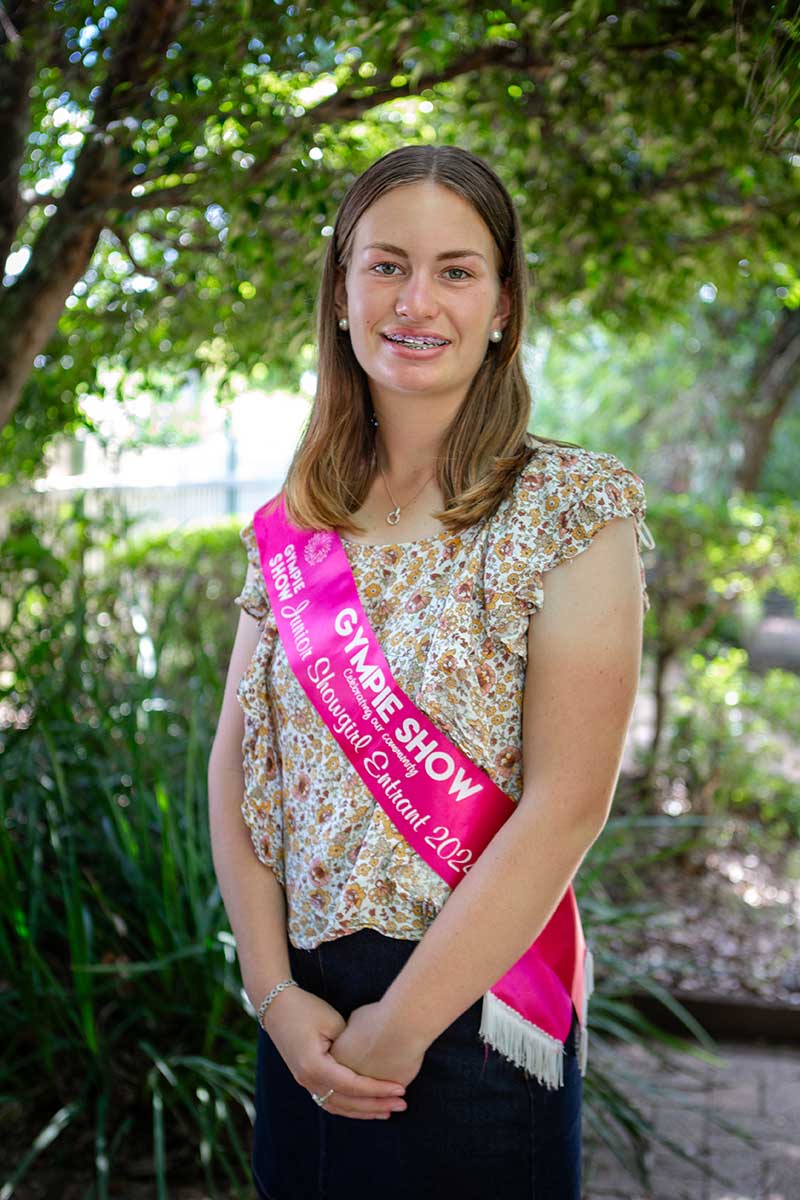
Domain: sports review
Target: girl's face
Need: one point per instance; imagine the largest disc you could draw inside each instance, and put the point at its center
(436, 273)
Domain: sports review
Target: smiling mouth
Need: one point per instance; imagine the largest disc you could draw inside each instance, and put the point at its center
(416, 343)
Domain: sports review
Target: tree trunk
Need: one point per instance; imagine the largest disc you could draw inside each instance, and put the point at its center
(30, 308)
(776, 375)
(662, 658)
(17, 74)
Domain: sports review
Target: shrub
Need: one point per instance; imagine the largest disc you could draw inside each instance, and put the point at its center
(731, 733)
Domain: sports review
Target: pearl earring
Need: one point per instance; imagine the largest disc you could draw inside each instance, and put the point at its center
(344, 323)
(496, 335)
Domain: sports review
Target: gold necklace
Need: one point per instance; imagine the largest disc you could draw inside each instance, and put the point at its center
(394, 515)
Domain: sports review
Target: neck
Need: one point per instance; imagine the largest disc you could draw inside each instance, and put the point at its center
(407, 449)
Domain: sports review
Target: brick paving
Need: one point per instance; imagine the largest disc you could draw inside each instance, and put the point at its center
(702, 1107)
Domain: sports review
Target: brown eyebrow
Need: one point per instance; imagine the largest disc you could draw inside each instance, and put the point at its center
(390, 249)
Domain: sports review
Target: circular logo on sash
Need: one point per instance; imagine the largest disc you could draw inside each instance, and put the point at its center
(318, 547)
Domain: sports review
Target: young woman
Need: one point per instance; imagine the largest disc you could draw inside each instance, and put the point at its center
(500, 575)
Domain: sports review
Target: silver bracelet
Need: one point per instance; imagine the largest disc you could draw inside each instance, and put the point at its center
(265, 1003)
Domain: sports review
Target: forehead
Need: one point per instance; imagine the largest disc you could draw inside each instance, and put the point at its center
(425, 219)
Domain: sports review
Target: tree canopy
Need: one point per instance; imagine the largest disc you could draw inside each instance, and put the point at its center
(173, 169)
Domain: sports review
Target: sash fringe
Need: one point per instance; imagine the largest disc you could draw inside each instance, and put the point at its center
(528, 1046)
(524, 1044)
(583, 1031)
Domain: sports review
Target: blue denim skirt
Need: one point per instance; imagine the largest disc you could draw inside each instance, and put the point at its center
(475, 1124)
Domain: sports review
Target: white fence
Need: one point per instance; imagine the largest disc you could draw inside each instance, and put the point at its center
(161, 506)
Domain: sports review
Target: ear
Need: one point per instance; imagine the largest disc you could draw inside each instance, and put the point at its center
(503, 310)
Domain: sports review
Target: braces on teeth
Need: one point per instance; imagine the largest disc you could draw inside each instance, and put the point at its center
(421, 343)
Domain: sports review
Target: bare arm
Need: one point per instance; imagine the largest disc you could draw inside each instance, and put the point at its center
(584, 658)
(253, 897)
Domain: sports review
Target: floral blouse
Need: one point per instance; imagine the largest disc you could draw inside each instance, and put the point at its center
(451, 614)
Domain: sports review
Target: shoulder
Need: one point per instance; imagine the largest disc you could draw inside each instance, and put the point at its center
(559, 501)
(564, 474)
(563, 495)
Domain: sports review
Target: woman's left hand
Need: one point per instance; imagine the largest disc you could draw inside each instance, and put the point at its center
(367, 1045)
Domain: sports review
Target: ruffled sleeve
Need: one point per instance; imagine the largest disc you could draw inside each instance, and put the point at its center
(562, 498)
(608, 490)
(253, 596)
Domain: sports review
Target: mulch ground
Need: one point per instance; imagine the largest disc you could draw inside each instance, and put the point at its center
(728, 926)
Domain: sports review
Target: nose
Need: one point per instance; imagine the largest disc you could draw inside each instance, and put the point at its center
(416, 297)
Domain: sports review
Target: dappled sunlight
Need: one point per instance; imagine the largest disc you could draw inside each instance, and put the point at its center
(753, 880)
(728, 927)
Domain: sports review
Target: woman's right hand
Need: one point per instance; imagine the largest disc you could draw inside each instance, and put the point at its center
(303, 1027)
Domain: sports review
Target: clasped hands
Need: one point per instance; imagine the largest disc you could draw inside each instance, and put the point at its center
(366, 1060)
(377, 1053)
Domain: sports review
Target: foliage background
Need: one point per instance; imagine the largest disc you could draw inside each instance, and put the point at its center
(175, 169)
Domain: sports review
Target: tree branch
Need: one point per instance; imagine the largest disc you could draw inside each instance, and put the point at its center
(17, 72)
(344, 106)
(8, 27)
(150, 27)
(774, 380)
(747, 225)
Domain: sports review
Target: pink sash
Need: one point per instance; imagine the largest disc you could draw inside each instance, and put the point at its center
(446, 807)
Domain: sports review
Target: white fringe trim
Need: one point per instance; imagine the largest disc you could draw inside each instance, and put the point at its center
(583, 1031)
(524, 1044)
(528, 1046)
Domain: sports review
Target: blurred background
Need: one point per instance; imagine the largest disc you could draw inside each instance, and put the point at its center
(170, 171)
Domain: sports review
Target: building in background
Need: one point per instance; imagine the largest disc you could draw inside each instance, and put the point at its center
(181, 462)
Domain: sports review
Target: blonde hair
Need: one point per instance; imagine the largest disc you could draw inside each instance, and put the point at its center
(485, 446)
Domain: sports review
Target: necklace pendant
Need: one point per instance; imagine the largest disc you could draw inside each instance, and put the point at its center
(394, 516)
